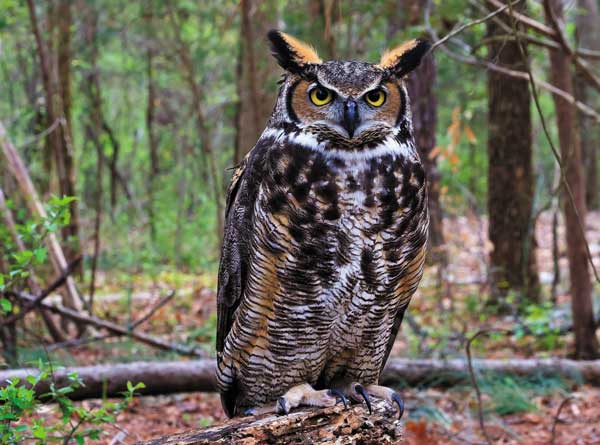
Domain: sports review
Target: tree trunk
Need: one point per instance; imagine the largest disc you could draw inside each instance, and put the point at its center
(254, 75)
(305, 426)
(94, 129)
(424, 115)
(150, 127)
(420, 86)
(586, 343)
(59, 141)
(588, 36)
(510, 174)
(63, 59)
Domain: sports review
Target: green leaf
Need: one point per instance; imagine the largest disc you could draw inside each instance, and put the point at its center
(41, 254)
(31, 379)
(5, 305)
(65, 390)
(39, 432)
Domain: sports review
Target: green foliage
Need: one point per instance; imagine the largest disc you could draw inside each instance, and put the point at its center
(32, 233)
(540, 321)
(18, 404)
(205, 421)
(513, 395)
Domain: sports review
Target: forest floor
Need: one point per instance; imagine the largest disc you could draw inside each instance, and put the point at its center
(450, 418)
(448, 308)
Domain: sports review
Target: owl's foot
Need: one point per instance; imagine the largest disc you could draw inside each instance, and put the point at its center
(360, 393)
(306, 395)
(389, 395)
(300, 395)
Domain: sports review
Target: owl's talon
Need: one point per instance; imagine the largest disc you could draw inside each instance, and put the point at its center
(360, 390)
(389, 395)
(396, 398)
(339, 395)
(282, 406)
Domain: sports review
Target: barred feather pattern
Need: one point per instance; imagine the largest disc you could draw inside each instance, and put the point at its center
(325, 248)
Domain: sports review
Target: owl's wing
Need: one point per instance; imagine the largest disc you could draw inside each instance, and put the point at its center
(408, 285)
(239, 212)
(232, 263)
(394, 333)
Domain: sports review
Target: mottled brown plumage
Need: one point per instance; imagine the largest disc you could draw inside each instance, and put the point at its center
(326, 226)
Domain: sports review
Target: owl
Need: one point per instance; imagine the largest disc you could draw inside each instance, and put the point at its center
(325, 237)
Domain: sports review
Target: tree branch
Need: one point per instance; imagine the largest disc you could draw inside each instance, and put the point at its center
(153, 310)
(470, 60)
(113, 327)
(38, 300)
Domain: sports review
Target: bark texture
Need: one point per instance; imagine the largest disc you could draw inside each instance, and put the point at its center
(510, 174)
(586, 342)
(312, 426)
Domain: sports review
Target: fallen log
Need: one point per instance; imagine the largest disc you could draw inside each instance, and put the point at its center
(307, 426)
(199, 375)
(432, 372)
(111, 380)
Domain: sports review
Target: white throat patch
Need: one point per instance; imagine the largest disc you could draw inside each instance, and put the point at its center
(389, 146)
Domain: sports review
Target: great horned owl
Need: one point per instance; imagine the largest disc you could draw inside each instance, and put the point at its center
(326, 227)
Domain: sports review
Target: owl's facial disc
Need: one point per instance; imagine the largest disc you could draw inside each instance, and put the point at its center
(337, 111)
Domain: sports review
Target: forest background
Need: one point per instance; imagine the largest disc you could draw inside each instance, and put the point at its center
(120, 123)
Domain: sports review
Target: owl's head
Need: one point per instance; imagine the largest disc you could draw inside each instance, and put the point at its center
(348, 103)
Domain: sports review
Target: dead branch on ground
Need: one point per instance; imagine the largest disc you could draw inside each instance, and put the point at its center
(114, 328)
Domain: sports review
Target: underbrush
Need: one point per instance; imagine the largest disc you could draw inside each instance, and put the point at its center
(19, 403)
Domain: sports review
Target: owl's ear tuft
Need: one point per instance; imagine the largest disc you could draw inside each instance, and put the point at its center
(404, 58)
(292, 54)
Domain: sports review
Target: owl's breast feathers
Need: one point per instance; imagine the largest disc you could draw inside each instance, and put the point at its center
(321, 254)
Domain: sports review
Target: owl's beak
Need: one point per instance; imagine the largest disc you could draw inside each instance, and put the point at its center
(351, 118)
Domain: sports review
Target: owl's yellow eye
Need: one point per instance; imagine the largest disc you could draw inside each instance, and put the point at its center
(375, 98)
(320, 96)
